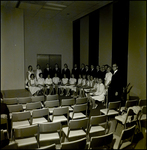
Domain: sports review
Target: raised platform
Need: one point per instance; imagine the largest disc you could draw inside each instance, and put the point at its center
(15, 93)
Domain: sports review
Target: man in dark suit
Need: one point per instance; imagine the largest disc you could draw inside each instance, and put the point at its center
(115, 88)
(92, 70)
(75, 71)
(57, 70)
(82, 69)
(66, 71)
(87, 72)
(47, 71)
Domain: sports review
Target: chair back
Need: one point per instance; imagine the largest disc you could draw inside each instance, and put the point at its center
(103, 140)
(77, 144)
(81, 100)
(52, 146)
(80, 107)
(142, 102)
(37, 98)
(96, 120)
(40, 113)
(67, 102)
(10, 101)
(50, 104)
(20, 116)
(114, 105)
(52, 97)
(24, 100)
(49, 127)
(131, 103)
(60, 111)
(15, 108)
(78, 124)
(35, 105)
(28, 131)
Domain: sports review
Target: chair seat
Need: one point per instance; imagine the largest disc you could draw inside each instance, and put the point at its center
(39, 120)
(77, 115)
(61, 118)
(143, 117)
(96, 129)
(122, 118)
(74, 133)
(20, 123)
(30, 142)
(111, 112)
(24, 106)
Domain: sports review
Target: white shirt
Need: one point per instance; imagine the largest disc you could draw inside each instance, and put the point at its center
(72, 80)
(100, 89)
(79, 80)
(108, 78)
(48, 81)
(64, 80)
(56, 80)
(40, 81)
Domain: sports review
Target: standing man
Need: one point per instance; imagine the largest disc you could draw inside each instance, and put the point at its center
(47, 71)
(115, 87)
(75, 71)
(66, 71)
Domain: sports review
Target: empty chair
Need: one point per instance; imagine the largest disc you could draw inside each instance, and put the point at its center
(79, 111)
(60, 115)
(77, 144)
(76, 129)
(129, 104)
(10, 101)
(51, 105)
(97, 125)
(143, 117)
(15, 108)
(26, 137)
(24, 101)
(68, 102)
(100, 142)
(31, 106)
(49, 133)
(125, 139)
(52, 97)
(142, 102)
(127, 118)
(112, 110)
(40, 115)
(38, 99)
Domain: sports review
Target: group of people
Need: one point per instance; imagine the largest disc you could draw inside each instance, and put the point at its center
(93, 82)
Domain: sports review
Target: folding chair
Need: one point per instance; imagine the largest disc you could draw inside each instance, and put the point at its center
(10, 101)
(79, 111)
(40, 115)
(15, 108)
(31, 106)
(97, 125)
(20, 119)
(49, 133)
(26, 137)
(129, 104)
(143, 117)
(125, 139)
(24, 101)
(68, 102)
(102, 142)
(52, 97)
(82, 100)
(60, 115)
(77, 144)
(112, 110)
(38, 99)
(127, 118)
(51, 105)
(76, 129)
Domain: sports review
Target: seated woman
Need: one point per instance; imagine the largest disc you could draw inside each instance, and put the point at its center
(64, 84)
(99, 95)
(48, 85)
(56, 82)
(32, 84)
(40, 83)
(83, 85)
(72, 83)
(90, 84)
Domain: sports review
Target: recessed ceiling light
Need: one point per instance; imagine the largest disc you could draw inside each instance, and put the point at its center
(53, 8)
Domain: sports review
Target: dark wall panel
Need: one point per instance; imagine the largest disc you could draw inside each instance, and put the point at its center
(120, 37)
(76, 42)
(93, 37)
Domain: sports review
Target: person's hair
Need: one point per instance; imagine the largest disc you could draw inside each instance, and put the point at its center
(40, 74)
(37, 65)
(30, 66)
(32, 74)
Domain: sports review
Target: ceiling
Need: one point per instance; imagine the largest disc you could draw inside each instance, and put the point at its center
(66, 10)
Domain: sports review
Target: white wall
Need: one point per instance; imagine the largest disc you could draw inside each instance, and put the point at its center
(105, 35)
(44, 36)
(12, 49)
(137, 48)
